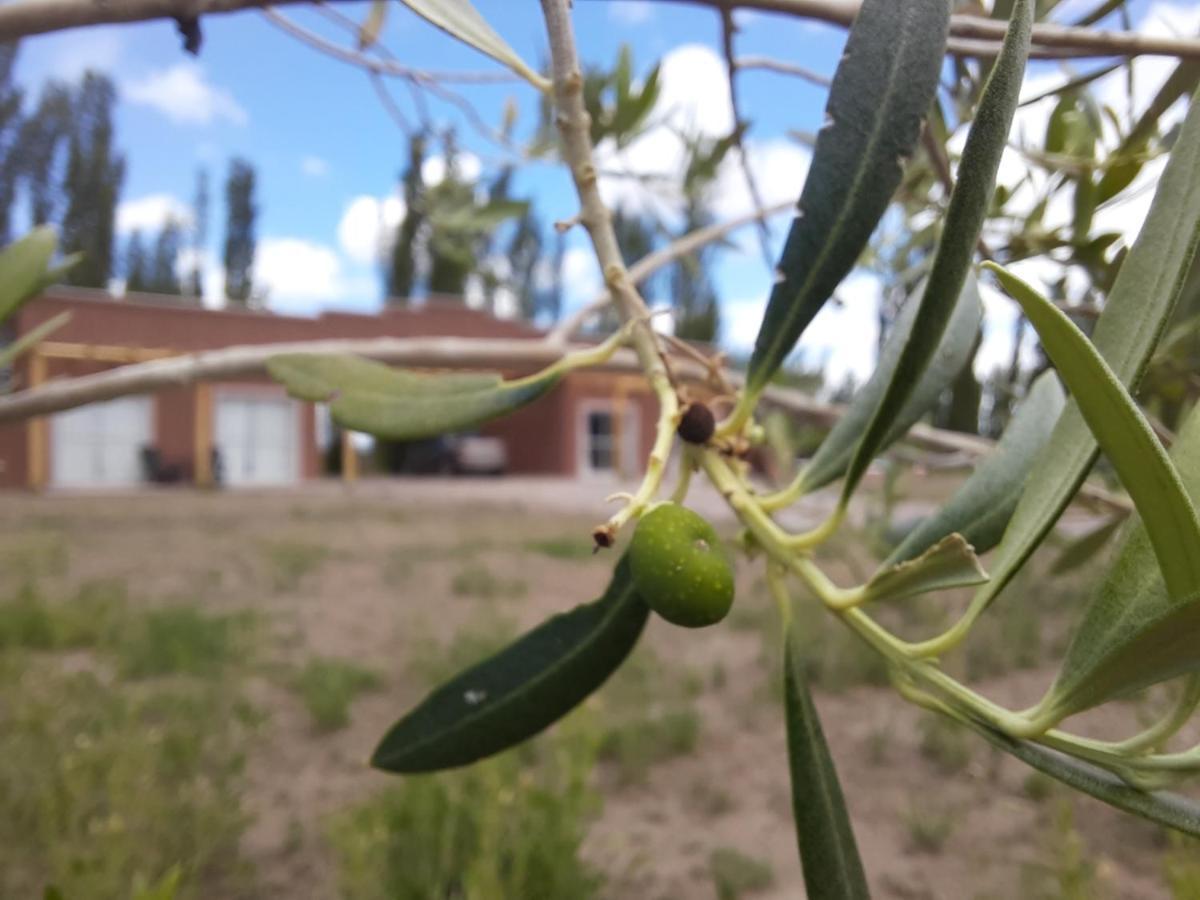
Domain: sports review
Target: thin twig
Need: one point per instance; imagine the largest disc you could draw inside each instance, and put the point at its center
(388, 67)
(783, 68)
(728, 30)
(652, 262)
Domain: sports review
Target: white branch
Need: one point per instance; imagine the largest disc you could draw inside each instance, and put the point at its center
(970, 35)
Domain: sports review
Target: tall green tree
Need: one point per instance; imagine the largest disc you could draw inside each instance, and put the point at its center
(40, 153)
(163, 276)
(240, 239)
(11, 98)
(401, 273)
(136, 264)
(95, 171)
(195, 278)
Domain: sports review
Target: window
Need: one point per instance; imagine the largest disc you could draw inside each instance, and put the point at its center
(600, 440)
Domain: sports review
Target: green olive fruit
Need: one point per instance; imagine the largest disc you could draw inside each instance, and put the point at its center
(679, 568)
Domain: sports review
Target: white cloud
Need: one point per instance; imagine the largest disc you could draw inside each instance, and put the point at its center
(630, 12)
(841, 340)
(302, 276)
(182, 93)
(580, 277)
(433, 170)
(368, 225)
(151, 213)
(314, 166)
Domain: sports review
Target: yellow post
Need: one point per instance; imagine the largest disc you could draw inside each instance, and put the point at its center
(202, 435)
(349, 458)
(35, 433)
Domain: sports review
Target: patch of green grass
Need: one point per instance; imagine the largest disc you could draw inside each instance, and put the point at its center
(945, 743)
(649, 715)
(928, 826)
(1038, 786)
(1181, 867)
(291, 560)
(579, 547)
(735, 874)
(477, 580)
(34, 554)
(181, 640)
(509, 827)
(108, 788)
(31, 621)
(432, 662)
(329, 686)
(1065, 871)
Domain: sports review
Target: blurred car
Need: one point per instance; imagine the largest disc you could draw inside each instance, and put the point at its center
(477, 454)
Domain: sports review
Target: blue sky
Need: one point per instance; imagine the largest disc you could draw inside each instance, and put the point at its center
(328, 156)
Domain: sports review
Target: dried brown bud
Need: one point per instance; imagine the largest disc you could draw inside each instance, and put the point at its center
(603, 536)
(697, 424)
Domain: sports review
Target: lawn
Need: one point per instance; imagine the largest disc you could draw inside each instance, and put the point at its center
(190, 685)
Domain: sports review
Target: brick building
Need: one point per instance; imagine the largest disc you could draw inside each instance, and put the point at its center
(592, 422)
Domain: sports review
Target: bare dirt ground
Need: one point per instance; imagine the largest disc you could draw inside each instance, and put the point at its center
(380, 583)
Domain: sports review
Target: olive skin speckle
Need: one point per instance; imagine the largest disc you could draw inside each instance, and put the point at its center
(679, 568)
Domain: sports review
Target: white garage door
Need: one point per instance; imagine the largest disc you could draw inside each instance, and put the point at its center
(258, 439)
(100, 445)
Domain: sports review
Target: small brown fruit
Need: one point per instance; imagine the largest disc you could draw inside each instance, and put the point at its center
(697, 424)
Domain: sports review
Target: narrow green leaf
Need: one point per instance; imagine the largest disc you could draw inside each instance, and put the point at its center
(461, 20)
(25, 268)
(1124, 434)
(828, 852)
(950, 563)
(882, 89)
(837, 450)
(1165, 808)
(1136, 632)
(981, 508)
(969, 203)
(402, 406)
(523, 689)
(32, 338)
(320, 377)
(1086, 546)
(1126, 334)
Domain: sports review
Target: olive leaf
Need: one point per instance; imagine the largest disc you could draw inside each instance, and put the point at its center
(881, 91)
(1086, 546)
(1125, 436)
(1126, 333)
(837, 450)
(25, 268)
(523, 689)
(950, 563)
(969, 204)
(981, 508)
(1136, 631)
(828, 852)
(1164, 807)
(461, 20)
(398, 405)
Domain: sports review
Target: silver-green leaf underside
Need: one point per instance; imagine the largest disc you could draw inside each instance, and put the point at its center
(981, 508)
(969, 203)
(1126, 333)
(881, 91)
(950, 563)
(828, 852)
(398, 405)
(1125, 436)
(1135, 632)
(461, 20)
(837, 450)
